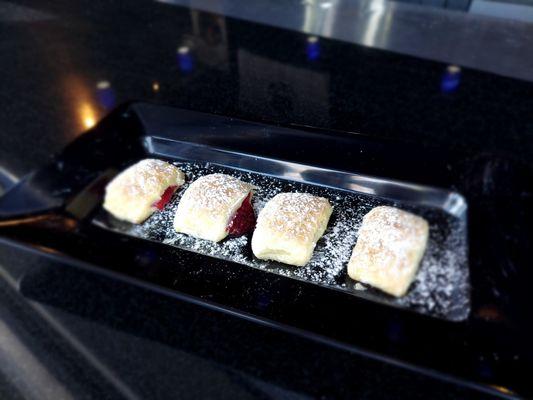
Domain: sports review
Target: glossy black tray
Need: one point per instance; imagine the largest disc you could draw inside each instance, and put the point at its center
(441, 288)
(54, 210)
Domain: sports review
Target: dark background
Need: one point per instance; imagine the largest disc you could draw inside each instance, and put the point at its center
(66, 64)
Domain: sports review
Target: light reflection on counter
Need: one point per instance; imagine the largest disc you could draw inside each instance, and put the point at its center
(450, 79)
(185, 59)
(81, 97)
(87, 115)
(503, 389)
(313, 48)
(375, 29)
(105, 94)
(319, 16)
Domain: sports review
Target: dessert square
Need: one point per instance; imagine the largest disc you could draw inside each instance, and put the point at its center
(138, 191)
(389, 249)
(215, 206)
(289, 226)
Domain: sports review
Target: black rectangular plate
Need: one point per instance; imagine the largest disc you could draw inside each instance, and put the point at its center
(441, 288)
(52, 212)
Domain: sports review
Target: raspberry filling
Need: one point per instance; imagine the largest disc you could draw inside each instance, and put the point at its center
(165, 198)
(244, 219)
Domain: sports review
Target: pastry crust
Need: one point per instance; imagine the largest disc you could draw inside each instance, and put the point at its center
(208, 205)
(389, 249)
(130, 196)
(289, 226)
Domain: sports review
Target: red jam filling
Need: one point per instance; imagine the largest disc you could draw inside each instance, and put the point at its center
(165, 198)
(244, 219)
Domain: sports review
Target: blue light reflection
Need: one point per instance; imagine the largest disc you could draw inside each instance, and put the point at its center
(450, 79)
(185, 59)
(313, 48)
(105, 94)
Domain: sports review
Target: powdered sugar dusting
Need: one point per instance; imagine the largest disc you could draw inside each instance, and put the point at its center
(215, 192)
(441, 287)
(144, 178)
(390, 244)
(293, 215)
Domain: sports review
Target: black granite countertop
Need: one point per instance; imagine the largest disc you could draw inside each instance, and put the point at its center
(67, 64)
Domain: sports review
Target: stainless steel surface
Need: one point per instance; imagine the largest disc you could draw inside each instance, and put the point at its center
(497, 45)
(451, 202)
(519, 11)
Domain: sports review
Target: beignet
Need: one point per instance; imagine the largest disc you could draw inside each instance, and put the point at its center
(138, 191)
(209, 205)
(289, 226)
(389, 249)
